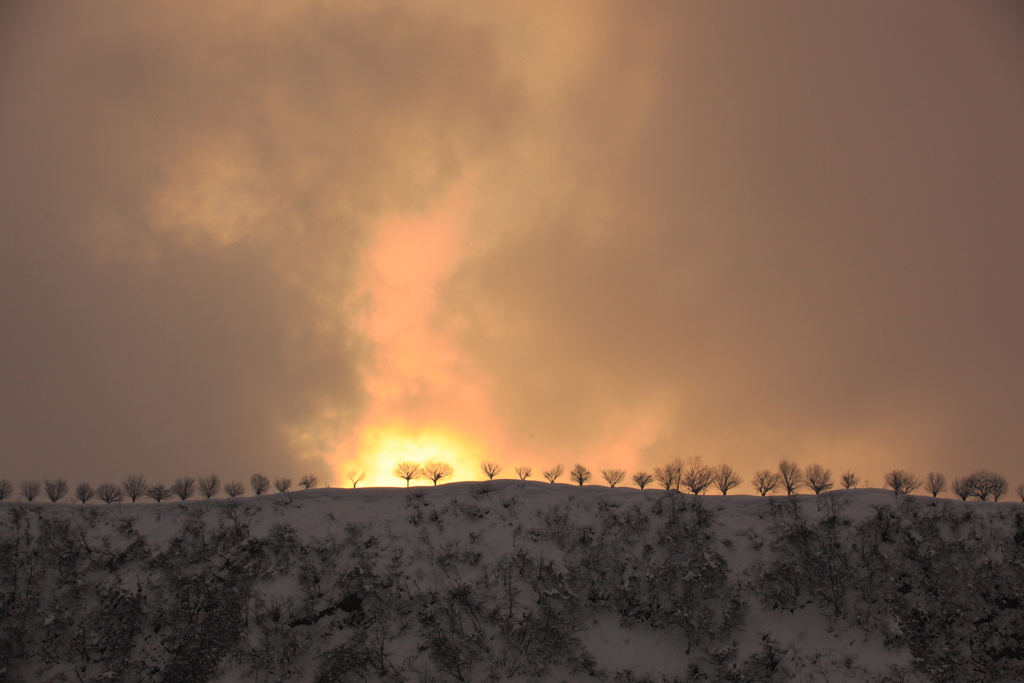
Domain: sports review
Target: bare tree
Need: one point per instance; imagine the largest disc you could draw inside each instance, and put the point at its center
(158, 492)
(30, 489)
(901, 481)
(234, 488)
(726, 478)
(964, 487)
(935, 483)
(765, 482)
(849, 480)
(259, 483)
(1020, 491)
(308, 481)
(134, 486)
(84, 493)
(642, 479)
(209, 486)
(553, 474)
(818, 478)
(613, 477)
(523, 472)
(697, 476)
(109, 493)
(55, 488)
(183, 487)
(282, 484)
(406, 470)
(491, 469)
(790, 476)
(6, 489)
(436, 471)
(355, 476)
(579, 474)
(990, 484)
(670, 476)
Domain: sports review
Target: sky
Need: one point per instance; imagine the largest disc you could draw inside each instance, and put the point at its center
(308, 236)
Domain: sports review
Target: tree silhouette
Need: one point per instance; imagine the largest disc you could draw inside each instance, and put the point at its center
(158, 492)
(726, 478)
(183, 487)
(436, 471)
(697, 476)
(282, 484)
(523, 472)
(84, 493)
(849, 480)
(209, 486)
(1020, 491)
(259, 483)
(30, 489)
(765, 482)
(901, 481)
(491, 469)
(579, 474)
(355, 476)
(234, 488)
(613, 477)
(109, 493)
(308, 481)
(642, 479)
(935, 483)
(553, 474)
(988, 484)
(790, 476)
(55, 488)
(6, 489)
(134, 486)
(964, 487)
(818, 478)
(406, 470)
(670, 476)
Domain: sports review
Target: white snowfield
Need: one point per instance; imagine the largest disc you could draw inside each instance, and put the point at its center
(513, 581)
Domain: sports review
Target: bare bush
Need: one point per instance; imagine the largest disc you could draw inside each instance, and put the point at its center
(109, 493)
(158, 492)
(282, 484)
(30, 490)
(308, 481)
(209, 486)
(964, 487)
(726, 478)
(642, 479)
(491, 469)
(355, 476)
(259, 483)
(935, 483)
(84, 493)
(523, 472)
(849, 480)
(1020, 491)
(234, 488)
(579, 474)
(818, 478)
(697, 476)
(765, 482)
(134, 486)
(6, 489)
(901, 481)
(553, 474)
(184, 487)
(406, 470)
(613, 477)
(790, 476)
(670, 476)
(436, 471)
(55, 488)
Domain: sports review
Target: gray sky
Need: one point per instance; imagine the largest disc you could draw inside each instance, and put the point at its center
(294, 239)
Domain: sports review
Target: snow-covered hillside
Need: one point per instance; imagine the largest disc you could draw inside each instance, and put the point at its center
(509, 581)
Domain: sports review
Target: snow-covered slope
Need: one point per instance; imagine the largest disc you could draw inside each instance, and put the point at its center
(510, 581)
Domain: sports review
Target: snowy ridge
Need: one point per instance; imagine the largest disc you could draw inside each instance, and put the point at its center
(514, 581)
